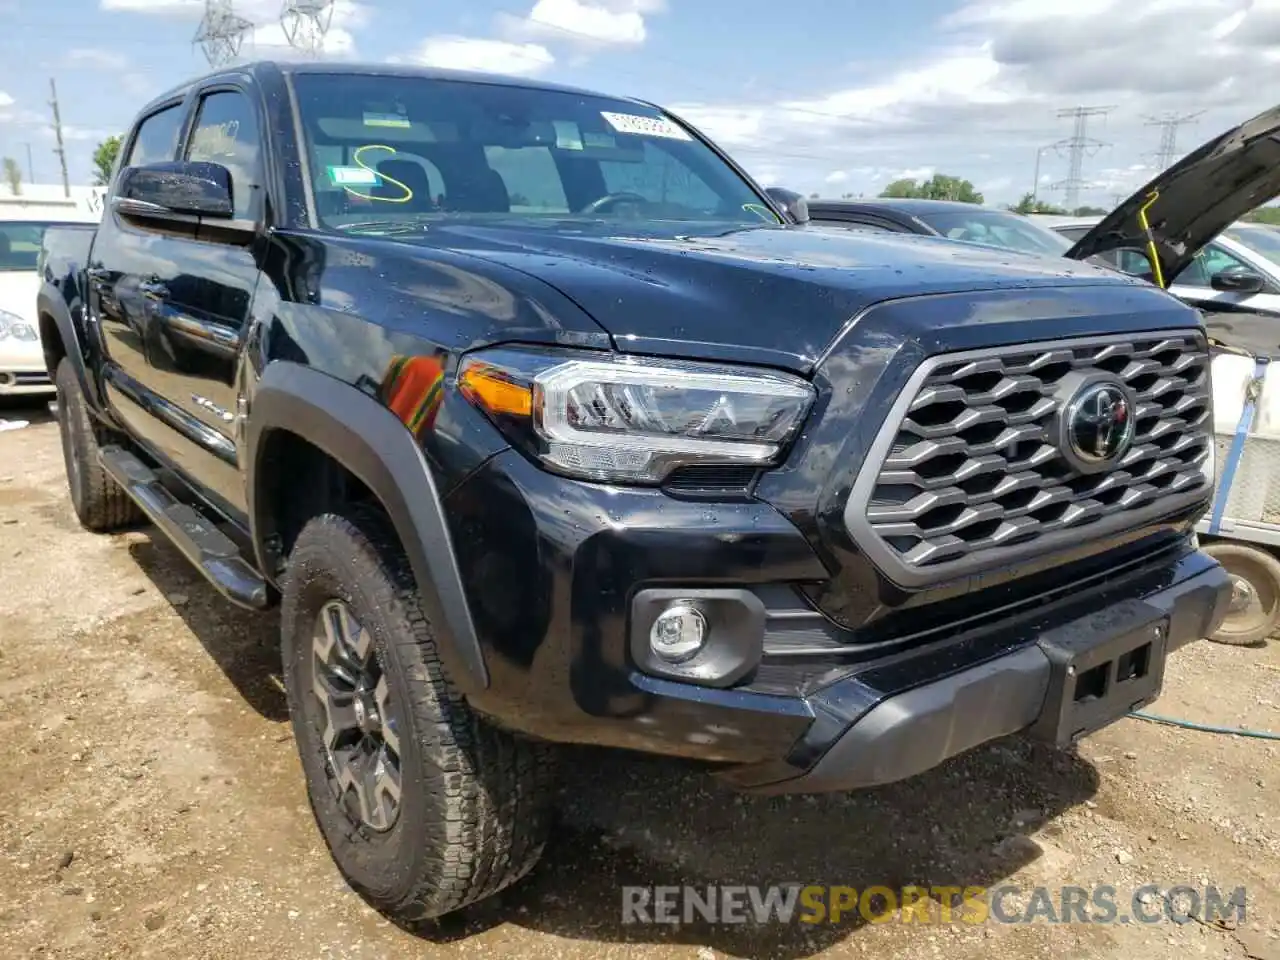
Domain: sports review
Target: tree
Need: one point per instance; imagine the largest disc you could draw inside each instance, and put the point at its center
(938, 187)
(104, 160)
(13, 175)
(1030, 204)
(1264, 215)
(1090, 212)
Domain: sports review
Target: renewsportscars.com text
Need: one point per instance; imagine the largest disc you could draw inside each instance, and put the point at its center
(1010, 904)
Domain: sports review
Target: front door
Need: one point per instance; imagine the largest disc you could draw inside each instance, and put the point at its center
(1194, 284)
(202, 310)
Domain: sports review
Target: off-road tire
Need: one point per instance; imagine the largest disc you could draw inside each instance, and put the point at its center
(476, 802)
(101, 505)
(1259, 571)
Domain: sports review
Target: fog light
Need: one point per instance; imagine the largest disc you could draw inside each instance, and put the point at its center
(679, 632)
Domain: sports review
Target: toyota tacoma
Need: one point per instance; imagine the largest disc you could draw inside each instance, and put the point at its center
(543, 424)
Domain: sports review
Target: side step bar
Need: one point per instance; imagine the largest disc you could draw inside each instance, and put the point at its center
(212, 551)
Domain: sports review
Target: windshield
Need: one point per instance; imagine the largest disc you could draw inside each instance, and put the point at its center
(1261, 240)
(408, 150)
(996, 229)
(20, 243)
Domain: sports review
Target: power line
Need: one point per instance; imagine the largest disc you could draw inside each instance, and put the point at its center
(57, 133)
(221, 32)
(305, 24)
(1077, 145)
(1169, 124)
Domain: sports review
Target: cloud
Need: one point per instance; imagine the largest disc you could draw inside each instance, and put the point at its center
(836, 176)
(5, 100)
(267, 35)
(477, 53)
(592, 22)
(995, 80)
(271, 40)
(180, 8)
(99, 59)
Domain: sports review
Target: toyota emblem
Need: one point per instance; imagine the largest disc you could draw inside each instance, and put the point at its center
(1100, 423)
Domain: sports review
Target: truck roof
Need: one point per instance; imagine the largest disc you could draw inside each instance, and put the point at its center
(372, 69)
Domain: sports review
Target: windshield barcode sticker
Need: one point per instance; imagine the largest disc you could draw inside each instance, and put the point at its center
(645, 126)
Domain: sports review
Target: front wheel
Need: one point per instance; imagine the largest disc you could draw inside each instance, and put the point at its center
(1254, 614)
(424, 806)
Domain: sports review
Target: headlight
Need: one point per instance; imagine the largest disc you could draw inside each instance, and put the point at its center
(12, 325)
(634, 419)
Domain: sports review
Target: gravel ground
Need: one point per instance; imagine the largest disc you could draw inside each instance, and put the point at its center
(155, 808)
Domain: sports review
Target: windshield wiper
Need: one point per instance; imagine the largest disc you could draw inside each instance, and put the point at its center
(414, 223)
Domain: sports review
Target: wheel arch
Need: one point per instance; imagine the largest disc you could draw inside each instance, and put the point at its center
(58, 339)
(373, 446)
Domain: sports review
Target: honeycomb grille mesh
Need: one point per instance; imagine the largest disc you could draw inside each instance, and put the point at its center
(974, 467)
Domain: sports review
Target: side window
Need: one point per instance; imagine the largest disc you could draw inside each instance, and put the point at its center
(226, 132)
(157, 137)
(856, 226)
(662, 180)
(1212, 259)
(531, 177)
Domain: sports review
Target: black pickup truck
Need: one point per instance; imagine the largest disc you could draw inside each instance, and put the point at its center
(543, 424)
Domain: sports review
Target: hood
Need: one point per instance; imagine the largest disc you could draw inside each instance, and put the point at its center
(18, 292)
(765, 294)
(1197, 198)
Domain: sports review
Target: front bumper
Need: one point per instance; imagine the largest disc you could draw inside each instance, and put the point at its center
(22, 369)
(1072, 680)
(558, 574)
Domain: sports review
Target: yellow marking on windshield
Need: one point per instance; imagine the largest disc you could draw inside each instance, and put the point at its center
(1151, 240)
(408, 194)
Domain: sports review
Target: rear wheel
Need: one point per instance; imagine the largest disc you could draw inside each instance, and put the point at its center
(424, 806)
(99, 502)
(1254, 614)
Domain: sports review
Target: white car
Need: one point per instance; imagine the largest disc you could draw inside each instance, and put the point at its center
(1240, 266)
(22, 225)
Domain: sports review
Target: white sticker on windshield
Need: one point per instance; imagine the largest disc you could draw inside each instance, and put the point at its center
(568, 136)
(352, 176)
(386, 120)
(645, 126)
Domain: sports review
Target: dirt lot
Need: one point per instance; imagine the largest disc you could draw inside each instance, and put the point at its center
(154, 807)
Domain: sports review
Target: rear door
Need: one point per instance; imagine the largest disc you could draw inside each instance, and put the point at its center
(201, 309)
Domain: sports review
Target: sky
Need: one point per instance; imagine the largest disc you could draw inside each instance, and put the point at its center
(831, 97)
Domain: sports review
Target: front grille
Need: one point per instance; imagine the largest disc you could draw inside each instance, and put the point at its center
(970, 470)
(40, 379)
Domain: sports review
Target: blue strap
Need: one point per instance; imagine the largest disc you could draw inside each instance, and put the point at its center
(1251, 394)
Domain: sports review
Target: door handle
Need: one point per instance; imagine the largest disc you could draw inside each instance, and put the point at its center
(153, 290)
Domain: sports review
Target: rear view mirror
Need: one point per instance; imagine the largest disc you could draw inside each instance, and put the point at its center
(793, 204)
(1237, 280)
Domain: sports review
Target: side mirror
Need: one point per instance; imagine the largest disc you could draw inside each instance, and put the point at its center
(1237, 280)
(793, 204)
(161, 190)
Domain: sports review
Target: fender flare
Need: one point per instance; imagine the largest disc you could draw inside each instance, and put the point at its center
(367, 439)
(51, 303)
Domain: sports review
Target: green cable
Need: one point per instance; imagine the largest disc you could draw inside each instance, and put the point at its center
(1205, 727)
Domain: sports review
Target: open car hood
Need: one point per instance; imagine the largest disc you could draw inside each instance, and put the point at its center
(1197, 198)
